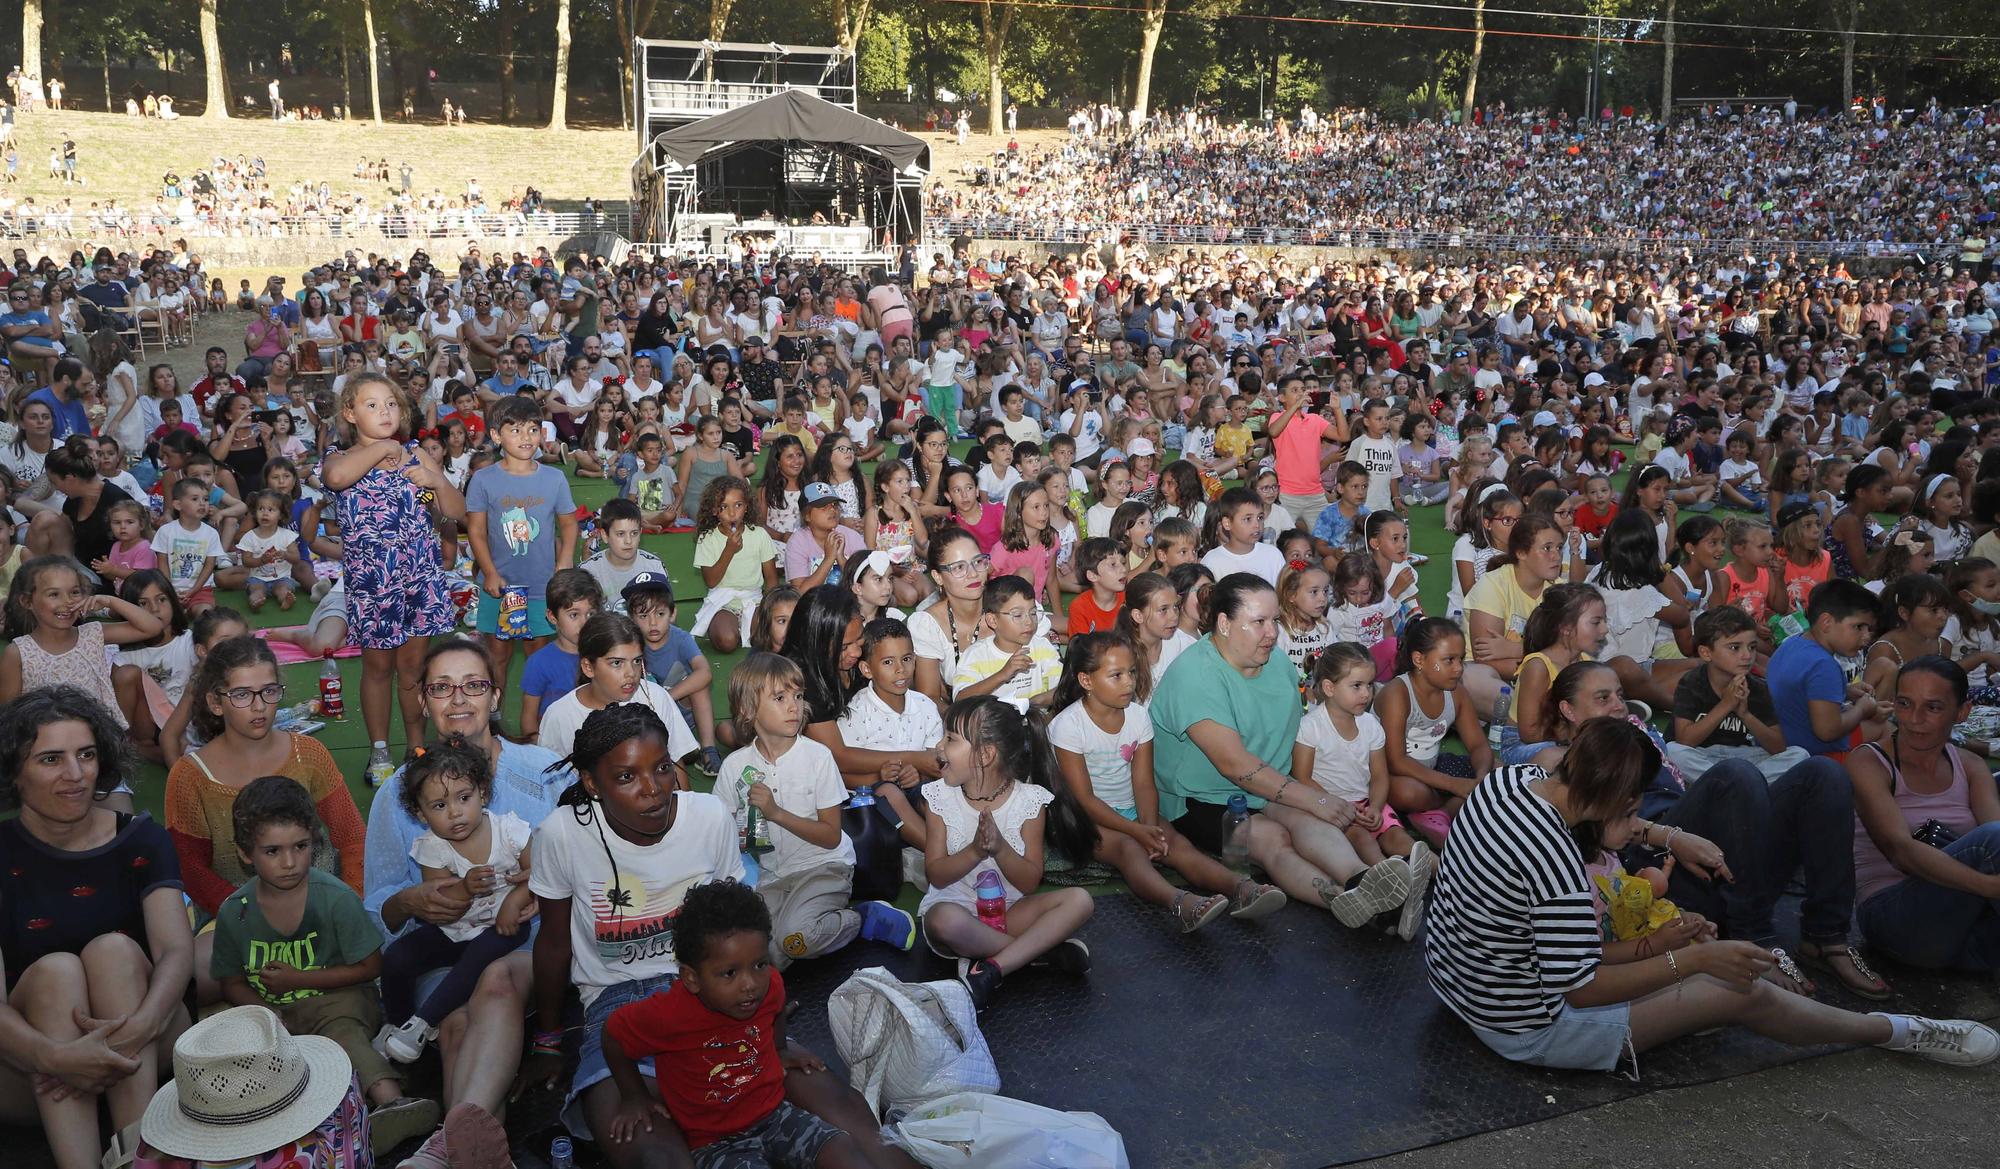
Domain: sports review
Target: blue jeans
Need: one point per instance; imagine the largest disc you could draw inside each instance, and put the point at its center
(1936, 928)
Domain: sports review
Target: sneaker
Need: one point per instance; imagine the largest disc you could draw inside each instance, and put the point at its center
(1192, 911)
(405, 1044)
(981, 979)
(1960, 1042)
(1436, 822)
(711, 760)
(402, 1119)
(381, 1040)
(1070, 956)
(434, 1153)
(1253, 900)
(1381, 889)
(321, 588)
(380, 767)
(883, 922)
(1423, 866)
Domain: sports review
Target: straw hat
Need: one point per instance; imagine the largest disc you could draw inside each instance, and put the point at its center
(243, 1086)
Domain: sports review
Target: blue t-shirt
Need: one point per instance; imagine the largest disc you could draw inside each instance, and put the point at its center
(71, 417)
(1337, 528)
(670, 664)
(520, 515)
(1801, 671)
(28, 318)
(550, 674)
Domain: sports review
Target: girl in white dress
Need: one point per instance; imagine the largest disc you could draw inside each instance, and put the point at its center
(998, 806)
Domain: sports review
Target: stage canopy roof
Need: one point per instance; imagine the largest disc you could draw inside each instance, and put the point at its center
(794, 115)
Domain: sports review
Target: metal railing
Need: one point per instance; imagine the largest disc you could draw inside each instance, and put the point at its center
(143, 223)
(698, 97)
(1003, 227)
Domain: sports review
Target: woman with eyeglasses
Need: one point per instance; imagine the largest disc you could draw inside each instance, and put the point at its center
(481, 1042)
(942, 631)
(236, 713)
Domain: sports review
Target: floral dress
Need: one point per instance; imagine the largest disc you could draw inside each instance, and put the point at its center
(338, 1142)
(389, 554)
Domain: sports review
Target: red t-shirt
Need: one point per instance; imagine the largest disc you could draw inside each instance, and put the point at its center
(1590, 523)
(1086, 617)
(1296, 452)
(717, 1075)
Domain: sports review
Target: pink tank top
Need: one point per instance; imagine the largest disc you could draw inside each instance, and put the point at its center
(1951, 807)
(1799, 581)
(1752, 596)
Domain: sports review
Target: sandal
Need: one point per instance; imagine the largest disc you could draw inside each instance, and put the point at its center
(123, 1148)
(1786, 971)
(1853, 973)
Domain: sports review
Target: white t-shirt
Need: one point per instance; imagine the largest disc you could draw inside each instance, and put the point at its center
(510, 835)
(1341, 766)
(944, 366)
(565, 716)
(1088, 436)
(1172, 646)
(1097, 521)
(805, 781)
(629, 937)
(252, 544)
(1463, 552)
(181, 551)
(1674, 463)
(1751, 477)
(1264, 560)
(169, 666)
(870, 724)
(1106, 755)
(1379, 456)
(995, 487)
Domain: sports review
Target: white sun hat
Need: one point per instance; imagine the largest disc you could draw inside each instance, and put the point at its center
(243, 1086)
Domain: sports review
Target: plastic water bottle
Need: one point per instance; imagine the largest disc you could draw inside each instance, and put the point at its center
(331, 705)
(561, 1155)
(1236, 833)
(1501, 706)
(992, 901)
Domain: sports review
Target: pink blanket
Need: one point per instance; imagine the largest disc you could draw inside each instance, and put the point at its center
(291, 655)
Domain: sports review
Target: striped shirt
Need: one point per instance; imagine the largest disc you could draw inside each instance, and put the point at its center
(1512, 927)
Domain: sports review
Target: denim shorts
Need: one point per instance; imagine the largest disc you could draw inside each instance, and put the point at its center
(591, 1069)
(1582, 1038)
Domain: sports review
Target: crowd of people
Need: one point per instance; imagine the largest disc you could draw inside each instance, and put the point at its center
(1038, 563)
(1921, 179)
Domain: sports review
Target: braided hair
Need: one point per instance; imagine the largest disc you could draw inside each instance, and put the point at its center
(602, 733)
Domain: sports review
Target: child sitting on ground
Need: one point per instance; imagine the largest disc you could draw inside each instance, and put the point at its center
(1014, 660)
(447, 786)
(296, 940)
(793, 785)
(573, 597)
(999, 804)
(727, 1001)
(674, 660)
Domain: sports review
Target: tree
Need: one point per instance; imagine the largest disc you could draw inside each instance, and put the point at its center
(849, 18)
(1847, 27)
(374, 64)
(718, 17)
(1151, 21)
(995, 35)
(1666, 71)
(211, 54)
(506, 10)
(1478, 49)
(31, 38)
(559, 101)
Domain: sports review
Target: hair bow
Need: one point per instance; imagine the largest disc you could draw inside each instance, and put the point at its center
(1297, 565)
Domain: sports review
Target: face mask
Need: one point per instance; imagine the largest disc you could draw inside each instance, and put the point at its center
(1990, 608)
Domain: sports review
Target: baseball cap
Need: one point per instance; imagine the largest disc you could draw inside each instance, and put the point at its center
(817, 493)
(1543, 418)
(647, 582)
(1793, 511)
(1593, 378)
(749, 341)
(1141, 446)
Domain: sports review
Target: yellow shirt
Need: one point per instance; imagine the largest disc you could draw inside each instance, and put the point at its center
(1232, 441)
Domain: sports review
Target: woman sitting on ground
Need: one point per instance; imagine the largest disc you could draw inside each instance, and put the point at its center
(1514, 949)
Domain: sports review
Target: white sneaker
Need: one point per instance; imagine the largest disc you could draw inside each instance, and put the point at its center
(1960, 1042)
(1381, 889)
(1423, 865)
(405, 1044)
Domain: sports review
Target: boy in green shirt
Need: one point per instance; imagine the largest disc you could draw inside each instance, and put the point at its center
(296, 940)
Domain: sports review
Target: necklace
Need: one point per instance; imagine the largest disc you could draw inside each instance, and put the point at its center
(996, 794)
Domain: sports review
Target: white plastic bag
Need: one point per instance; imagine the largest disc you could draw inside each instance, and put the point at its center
(909, 1043)
(973, 1130)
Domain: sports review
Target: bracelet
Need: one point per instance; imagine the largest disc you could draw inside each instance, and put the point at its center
(1668, 844)
(1674, 964)
(549, 1040)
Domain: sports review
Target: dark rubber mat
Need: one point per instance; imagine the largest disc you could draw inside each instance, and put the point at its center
(1289, 1043)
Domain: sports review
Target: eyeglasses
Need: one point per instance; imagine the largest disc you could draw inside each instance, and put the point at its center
(243, 696)
(961, 567)
(1018, 616)
(471, 688)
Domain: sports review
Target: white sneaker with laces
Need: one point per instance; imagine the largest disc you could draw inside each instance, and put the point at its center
(1959, 1042)
(405, 1044)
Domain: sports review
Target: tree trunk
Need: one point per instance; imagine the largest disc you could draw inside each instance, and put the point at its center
(1472, 70)
(559, 98)
(850, 17)
(211, 55)
(1666, 71)
(718, 17)
(625, 67)
(346, 82)
(1151, 21)
(106, 46)
(31, 38)
(374, 64)
(1847, 54)
(506, 61)
(995, 34)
